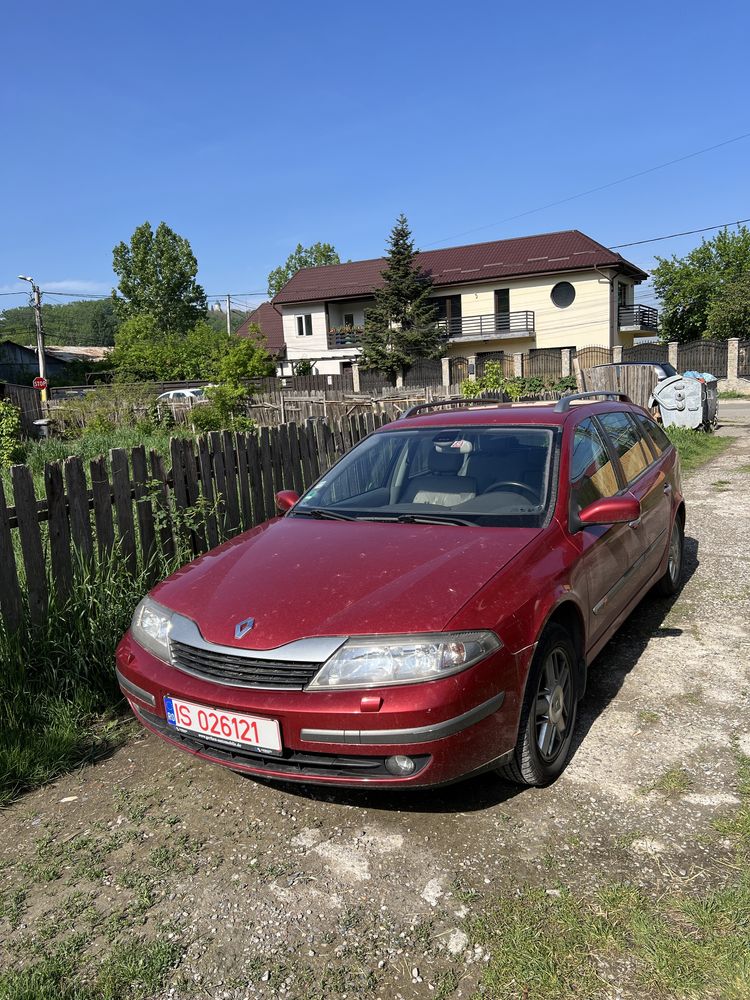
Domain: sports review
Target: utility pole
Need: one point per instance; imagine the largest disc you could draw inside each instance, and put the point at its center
(37, 304)
(229, 315)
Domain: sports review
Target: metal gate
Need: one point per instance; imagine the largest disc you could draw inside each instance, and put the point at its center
(459, 370)
(647, 353)
(543, 361)
(704, 356)
(588, 357)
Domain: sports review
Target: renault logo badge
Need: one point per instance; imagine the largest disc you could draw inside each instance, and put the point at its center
(243, 627)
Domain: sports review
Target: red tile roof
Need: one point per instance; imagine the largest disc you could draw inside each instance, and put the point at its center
(271, 326)
(570, 250)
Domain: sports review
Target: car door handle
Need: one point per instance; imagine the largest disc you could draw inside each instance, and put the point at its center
(635, 524)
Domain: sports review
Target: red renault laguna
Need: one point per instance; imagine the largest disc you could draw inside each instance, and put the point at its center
(427, 610)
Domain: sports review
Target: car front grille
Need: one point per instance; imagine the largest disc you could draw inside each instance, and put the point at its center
(240, 670)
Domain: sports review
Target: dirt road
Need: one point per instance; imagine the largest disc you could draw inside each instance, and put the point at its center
(259, 890)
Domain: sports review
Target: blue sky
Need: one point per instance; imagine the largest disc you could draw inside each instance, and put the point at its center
(249, 128)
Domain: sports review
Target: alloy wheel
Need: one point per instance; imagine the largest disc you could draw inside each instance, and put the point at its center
(553, 704)
(675, 554)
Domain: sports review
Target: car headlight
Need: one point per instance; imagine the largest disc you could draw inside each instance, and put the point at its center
(150, 627)
(382, 660)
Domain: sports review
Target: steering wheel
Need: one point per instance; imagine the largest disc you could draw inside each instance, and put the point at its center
(530, 493)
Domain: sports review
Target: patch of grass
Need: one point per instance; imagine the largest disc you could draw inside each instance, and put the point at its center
(674, 945)
(446, 984)
(721, 485)
(733, 394)
(674, 781)
(647, 717)
(694, 447)
(12, 906)
(744, 468)
(559, 947)
(134, 970)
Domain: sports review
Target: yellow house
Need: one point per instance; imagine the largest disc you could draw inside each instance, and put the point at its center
(558, 290)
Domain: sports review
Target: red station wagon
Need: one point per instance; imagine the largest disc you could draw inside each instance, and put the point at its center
(427, 610)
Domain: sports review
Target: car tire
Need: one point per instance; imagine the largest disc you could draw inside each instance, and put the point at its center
(542, 749)
(670, 582)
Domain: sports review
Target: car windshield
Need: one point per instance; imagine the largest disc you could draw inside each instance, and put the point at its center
(488, 475)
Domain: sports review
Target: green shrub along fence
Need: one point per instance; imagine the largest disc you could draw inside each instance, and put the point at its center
(131, 506)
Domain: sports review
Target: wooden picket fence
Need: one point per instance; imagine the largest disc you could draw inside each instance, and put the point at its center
(132, 505)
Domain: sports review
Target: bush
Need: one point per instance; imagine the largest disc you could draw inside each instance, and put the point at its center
(11, 448)
(516, 387)
(226, 407)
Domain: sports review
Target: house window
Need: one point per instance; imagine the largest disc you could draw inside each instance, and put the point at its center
(563, 294)
(622, 294)
(348, 319)
(304, 325)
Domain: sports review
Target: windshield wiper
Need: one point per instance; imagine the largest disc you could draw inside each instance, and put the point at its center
(419, 519)
(323, 514)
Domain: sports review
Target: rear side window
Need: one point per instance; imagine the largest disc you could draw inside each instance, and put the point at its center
(631, 448)
(591, 473)
(659, 440)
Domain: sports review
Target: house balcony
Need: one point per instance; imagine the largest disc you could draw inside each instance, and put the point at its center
(343, 338)
(638, 319)
(493, 326)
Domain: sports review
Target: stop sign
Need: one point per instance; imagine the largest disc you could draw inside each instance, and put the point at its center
(39, 382)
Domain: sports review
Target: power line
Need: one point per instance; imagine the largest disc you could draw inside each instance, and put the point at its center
(688, 232)
(600, 187)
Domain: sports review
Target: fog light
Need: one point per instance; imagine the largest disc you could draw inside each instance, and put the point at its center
(400, 765)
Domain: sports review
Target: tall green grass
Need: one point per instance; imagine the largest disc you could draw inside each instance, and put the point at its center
(695, 447)
(59, 699)
(88, 446)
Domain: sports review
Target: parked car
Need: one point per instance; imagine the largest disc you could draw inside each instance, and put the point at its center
(662, 369)
(427, 610)
(183, 397)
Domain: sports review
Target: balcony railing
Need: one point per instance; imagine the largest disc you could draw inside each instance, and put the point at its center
(342, 337)
(491, 326)
(638, 318)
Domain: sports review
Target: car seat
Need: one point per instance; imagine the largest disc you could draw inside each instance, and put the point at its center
(441, 485)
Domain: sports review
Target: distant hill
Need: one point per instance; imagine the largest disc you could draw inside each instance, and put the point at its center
(89, 322)
(86, 323)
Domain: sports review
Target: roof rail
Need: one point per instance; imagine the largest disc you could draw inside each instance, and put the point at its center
(563, 405)
(452, 401)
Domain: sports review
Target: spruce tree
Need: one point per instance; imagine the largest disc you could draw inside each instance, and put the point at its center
(401, 325)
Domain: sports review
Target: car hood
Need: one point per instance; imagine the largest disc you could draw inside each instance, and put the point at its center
(299, 577)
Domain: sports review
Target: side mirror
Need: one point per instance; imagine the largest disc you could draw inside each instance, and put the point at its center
(611, 510)
(285, 500)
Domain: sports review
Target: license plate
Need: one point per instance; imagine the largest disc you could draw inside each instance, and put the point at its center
(247, 731)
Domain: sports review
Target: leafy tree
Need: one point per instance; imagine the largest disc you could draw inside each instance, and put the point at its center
(247, 358)
(157, 273)
(144, 354)
(313, 256)
(400, 327)
(729, 315)
(691, 286)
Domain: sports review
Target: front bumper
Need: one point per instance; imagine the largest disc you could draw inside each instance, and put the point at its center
(450, 728)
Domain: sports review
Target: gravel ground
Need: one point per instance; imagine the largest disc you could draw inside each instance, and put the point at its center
(287, 891)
